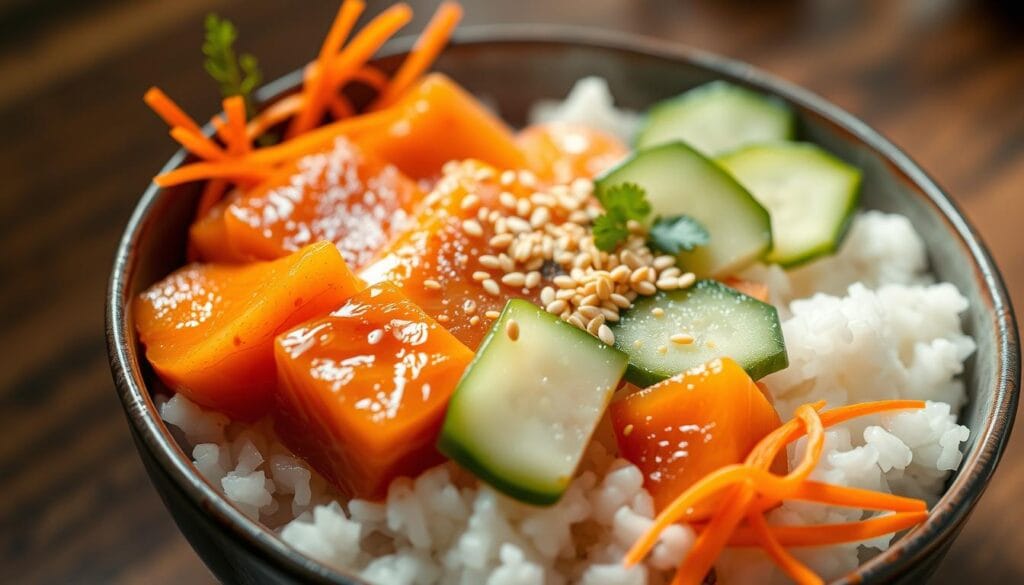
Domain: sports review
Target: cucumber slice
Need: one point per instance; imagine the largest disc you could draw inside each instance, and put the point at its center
(679, 180)
(722, 321)
(524, 411)
(717, 117)
(810, 195)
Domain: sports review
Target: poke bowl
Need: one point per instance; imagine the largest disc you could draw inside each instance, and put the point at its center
(910, 225)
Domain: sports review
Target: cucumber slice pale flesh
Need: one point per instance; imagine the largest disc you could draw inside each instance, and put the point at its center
(524, 411)
(721, 321)
(678, 180)
(810, 195)
(717, 117)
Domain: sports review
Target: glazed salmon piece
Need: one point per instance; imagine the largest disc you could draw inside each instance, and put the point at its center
(434, 261)
(364, 389)
(209, 328)
(683, 428)
(341, 195)
(441, 122)
(560, 152)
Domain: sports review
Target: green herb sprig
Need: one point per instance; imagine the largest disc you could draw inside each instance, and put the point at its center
(236, 75)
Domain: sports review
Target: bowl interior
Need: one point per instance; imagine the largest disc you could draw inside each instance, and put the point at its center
(512, 67)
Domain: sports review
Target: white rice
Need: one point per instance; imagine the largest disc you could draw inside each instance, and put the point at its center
(864, 324)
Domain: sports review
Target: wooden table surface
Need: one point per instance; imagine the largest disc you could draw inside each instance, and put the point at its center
(943, 78)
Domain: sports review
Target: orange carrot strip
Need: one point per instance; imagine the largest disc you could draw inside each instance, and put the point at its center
(354, 55)
(427, 48)
(341, 107)
(228, 169)
(825, 534)
(169, 111)
(274, 114)
(837, 495)
(234, 109)
(815, 443)
(715, 537)
(320, 137)
(197, 144)
(792, 567)
(317, 83)
(212, 193)
(709, 485)
(371, 76)
(223, 133)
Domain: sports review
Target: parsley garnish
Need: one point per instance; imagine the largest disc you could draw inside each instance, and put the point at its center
(235, 75)
(623, 202)
(673, 235)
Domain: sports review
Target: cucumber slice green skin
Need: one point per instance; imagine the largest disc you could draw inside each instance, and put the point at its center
(810, 194)
(679, 180)
(717, 117)
(524, 410)
(738, 326)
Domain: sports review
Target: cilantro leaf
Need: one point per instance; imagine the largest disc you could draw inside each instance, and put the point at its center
(235, 75)
(622, 203)
(609, 231)
(673, 235)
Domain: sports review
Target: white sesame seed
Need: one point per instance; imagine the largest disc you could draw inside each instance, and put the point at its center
(527, 179)
(492, 314)
(512, 329)
(620, 301)
(514, 279)
(506, 263)
(576, 321)
(663, 262)
(672, 272)
(547, 295)
(442, 318)
(605, 334)
(533, 279)
(663, 349)
(540, 217)
(645, 287)
(556, 307)
(431, 284)
(610, 315)
(507, 199)
(620, 273)
(682, 338)
(564, 282)
(523, 207)
(594, 324)
(667, 284)
(488, 261)
(565, 294)
(500, 241)
(591, 300)
(687, 280)
(658, 312)
(472, 227)
(474, 319)
(518, 225)
(507, 178)
(375, 336)
(589, 312)
(491, 287)
(604, 288)
(469, 202)
(639, 274)
(481, 276)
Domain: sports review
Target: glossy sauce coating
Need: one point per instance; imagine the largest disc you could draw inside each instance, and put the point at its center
(560, 152)
(364, 389)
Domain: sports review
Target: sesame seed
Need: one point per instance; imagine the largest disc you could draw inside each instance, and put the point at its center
(638, 343)
(564, 282)
(518, 225)
(576, 321)
(663, 262)
(627, 430)
(619, 300)
(620, 273)
(687, 280)
(472, 227)
(594, 324)
(672, 272)
(604, 288)
(442, 318)
(501, 241)
(556, 307)
(590, 300)
(638, 274)
(375, 336)
(527, 179)
(610, 315)
(431, 284)
(605, 334)
(507, 265)
(507, 178)
(512, 329)
(589, 312)
(523, 207)
(488, 261)
(481, 276)
(474, 319)
(547, 295)
(565, 294)
(533, 279)
(540, 217)
(667, 284)
(514, 279)
(492, 314)
(682, 338)
(645, 287)
(507, 199)
(658, 312)
(491, 287)
(469, 202)
(662, 349)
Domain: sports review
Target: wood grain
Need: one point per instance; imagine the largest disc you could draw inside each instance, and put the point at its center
(943, 79)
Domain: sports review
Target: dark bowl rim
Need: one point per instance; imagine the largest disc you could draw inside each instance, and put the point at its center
(947, 515)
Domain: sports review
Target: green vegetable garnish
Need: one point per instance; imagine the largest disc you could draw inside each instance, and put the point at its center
(236, 75)
(680, 233)
(622, 202)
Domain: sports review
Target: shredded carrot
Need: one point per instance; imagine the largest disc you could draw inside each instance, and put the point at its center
(169, 111)
(340, 107)
(320, 137)
(228, 169)
(825, 534)
(752, 489)
(318, 80)
(212, 193)
(221, 127)
(427, 48)
(197, 144)
(371, 77)
(792, 567)
(276, 113)
(234, 109)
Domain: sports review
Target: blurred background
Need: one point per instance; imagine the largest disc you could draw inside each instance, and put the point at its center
(944, 79)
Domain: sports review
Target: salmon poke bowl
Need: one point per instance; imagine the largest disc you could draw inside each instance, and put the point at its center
(548, 306)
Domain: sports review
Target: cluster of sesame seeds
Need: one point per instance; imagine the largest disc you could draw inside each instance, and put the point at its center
(544, 241)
